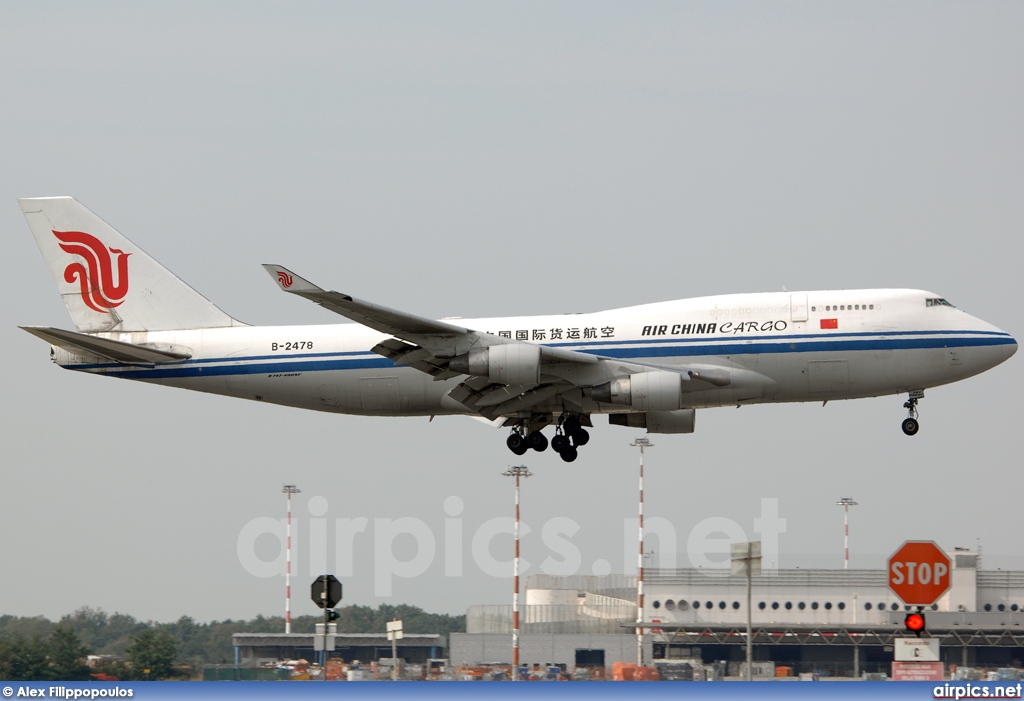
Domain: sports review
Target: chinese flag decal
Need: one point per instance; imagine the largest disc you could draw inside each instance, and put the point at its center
(830, 323)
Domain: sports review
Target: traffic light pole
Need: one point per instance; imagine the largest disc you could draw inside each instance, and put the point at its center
(326, 596)
(323, 662)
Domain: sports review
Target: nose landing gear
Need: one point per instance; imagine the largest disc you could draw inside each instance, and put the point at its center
(910, 424)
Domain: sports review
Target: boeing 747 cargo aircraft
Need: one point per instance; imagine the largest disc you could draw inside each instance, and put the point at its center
(649, 366)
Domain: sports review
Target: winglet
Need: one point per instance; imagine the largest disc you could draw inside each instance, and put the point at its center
(289, 281)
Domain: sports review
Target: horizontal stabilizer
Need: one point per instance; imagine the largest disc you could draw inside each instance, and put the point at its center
(118, 351)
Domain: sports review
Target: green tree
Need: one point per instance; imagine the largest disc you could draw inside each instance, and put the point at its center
(67, 655)
(151, 654)
(28, 659)
(6, 656)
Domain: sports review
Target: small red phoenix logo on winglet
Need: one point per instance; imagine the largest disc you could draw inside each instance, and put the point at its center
(285, 278)
(96, 276)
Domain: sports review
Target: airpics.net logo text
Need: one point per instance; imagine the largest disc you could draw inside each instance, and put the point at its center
(707, 544)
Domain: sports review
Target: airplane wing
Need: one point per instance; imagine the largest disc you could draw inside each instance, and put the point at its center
(505, 376)
(374, 316)
(441, 338)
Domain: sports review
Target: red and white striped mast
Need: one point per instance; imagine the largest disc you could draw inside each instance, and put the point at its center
(516, 471)
(288, 489)
(640, 443)
(846, 503)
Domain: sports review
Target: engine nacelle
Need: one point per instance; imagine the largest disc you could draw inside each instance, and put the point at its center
(507, 364)
(657, 390)
(681, 421)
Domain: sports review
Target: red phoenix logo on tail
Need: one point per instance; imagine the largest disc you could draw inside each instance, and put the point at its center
(285, 278)
(96, 276)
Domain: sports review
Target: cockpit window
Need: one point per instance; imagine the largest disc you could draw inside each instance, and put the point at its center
(937, 302)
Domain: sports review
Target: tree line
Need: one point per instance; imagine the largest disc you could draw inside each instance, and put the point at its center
(35, 648)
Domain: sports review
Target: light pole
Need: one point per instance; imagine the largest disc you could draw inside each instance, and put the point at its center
(288, 489)
(640, 443)
(746, 559)
(846, 503)
(516, 471)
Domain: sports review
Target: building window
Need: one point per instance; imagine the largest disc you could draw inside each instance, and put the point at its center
(841, 605)
(1013, 607)
(775, 605)
(881, 606)
(988, 607)
(814, 605)
(721, 604)
(828, 605)
(935, 607)
(867, 606)
(801, 606)
(670, 605)
(1002, 607)
(696, 604)
(657, 605)
(709, 605)
(789, 605)
(895, 607)
(736, 605)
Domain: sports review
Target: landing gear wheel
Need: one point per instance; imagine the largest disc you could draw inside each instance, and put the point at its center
(580, 437)
(517, 444)
(911, 424)
(559, 443)
(569, 454)
(571, 425)
(538, 441)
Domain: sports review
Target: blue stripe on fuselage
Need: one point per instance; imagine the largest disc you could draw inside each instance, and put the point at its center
(655, 348)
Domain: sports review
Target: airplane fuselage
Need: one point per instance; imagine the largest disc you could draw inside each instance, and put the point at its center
(778, 347)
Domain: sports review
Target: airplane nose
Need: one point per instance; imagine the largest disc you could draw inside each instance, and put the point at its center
(1009, 349)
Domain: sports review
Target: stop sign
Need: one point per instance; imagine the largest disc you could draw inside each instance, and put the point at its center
(325, 591)
(919, 572)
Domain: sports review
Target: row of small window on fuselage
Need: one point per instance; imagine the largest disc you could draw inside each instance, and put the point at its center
(845, 307)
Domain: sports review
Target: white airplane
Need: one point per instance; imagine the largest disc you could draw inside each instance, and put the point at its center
(649, 366)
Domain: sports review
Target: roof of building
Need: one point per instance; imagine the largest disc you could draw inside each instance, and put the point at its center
(341, 639)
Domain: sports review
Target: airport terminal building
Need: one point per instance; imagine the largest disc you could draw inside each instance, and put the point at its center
(836, 622)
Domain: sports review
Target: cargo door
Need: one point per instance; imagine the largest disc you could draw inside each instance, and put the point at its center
(379, 395)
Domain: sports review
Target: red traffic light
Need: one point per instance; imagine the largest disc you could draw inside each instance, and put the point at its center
(914, 622)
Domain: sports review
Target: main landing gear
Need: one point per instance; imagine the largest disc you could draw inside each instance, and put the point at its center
(569, 436)
(520, 440)
(910, 424)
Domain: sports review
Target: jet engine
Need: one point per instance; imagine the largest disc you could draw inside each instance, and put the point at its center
(657, 390)
(507, 364)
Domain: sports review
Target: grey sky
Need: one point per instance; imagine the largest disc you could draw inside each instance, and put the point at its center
(480, 159)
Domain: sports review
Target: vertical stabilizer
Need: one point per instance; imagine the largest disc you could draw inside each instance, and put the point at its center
(107, 282)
